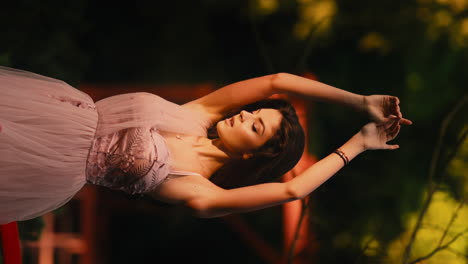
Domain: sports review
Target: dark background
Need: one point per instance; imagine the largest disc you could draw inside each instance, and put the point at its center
(416, 50)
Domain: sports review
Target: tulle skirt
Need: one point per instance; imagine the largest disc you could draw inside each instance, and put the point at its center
(46, 130)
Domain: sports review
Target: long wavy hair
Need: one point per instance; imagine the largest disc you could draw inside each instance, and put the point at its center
(269, 162)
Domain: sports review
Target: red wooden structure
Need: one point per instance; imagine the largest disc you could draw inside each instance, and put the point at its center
(10, 243)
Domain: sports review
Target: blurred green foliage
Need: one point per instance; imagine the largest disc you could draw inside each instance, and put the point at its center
(416, 50)
(31, 229)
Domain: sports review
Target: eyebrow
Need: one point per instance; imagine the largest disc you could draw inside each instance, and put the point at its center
(261, 122)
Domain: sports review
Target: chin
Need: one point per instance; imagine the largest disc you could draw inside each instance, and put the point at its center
(218, 128)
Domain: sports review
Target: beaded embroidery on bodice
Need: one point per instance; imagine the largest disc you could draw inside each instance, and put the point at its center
(133, 160)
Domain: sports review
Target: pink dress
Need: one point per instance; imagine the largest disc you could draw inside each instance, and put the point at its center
(54, 139)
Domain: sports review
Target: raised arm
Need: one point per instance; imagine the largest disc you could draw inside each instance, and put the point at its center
(379, 107)
(289, 83)
(208, 200)
(244, 92)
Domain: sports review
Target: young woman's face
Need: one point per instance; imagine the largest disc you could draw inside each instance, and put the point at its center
(247, 131)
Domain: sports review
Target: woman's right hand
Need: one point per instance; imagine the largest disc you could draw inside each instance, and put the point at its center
(384, 108)
(376, 136)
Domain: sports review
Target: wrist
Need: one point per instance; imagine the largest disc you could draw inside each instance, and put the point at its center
(354, 146)
(360, 141)
(364, 103)
(360, 103)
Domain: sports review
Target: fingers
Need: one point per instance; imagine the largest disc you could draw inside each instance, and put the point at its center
(391, 122)
(387, 125)
(395, 106)
(396, 111)
(393, 130)
(388, 109)
(394, 99)
(392, 147)
(393, 125)
(405, 121)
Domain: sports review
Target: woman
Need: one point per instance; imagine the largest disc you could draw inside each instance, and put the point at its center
(54, 139)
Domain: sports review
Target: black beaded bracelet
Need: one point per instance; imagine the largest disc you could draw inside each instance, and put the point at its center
(342, 156)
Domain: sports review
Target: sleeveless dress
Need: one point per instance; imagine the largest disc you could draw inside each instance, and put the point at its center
(54, 139)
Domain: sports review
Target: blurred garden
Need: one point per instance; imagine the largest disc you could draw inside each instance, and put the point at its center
(404, 206)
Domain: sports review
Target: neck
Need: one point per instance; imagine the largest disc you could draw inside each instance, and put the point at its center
(213, 155)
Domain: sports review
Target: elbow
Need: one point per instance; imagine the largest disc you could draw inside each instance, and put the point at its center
(293, 193)
(201, 208)
(277, 80)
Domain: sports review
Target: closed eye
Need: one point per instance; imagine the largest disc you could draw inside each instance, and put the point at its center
(254, 128)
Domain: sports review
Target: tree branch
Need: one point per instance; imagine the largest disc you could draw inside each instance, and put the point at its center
(458, 253)
(432, 170)
(361, 253)
(437, 249)
(457, 147)
(454, 217)
(309, 40)
(258, 40)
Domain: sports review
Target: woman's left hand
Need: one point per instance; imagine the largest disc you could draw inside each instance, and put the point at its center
(384, 108)
(376, 136)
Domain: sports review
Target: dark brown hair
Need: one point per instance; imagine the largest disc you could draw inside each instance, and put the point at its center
(269, 162)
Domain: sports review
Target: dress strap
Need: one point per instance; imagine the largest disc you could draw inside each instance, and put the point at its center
(183, 173)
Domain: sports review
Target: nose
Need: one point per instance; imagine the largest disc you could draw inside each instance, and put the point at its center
(245, 115)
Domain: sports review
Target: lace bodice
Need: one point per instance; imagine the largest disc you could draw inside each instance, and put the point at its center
(128, 152)
(133, 160)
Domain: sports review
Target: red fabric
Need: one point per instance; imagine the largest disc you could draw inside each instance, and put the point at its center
(11, 243)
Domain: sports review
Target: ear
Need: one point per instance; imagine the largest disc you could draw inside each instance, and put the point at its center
(247, 156)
